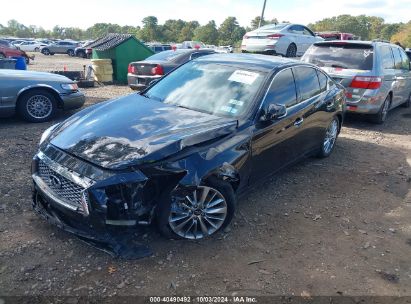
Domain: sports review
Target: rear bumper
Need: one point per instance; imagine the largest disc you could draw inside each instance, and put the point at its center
(140, 82)
(366, 105)
(73, 101)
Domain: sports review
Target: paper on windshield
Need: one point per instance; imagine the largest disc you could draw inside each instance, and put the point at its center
(242, 76)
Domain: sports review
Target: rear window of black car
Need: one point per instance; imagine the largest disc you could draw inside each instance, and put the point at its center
(166, 55)
(341, 55)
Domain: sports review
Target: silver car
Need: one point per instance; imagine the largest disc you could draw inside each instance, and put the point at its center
(376, 74)
(60, 47)
(37, 96)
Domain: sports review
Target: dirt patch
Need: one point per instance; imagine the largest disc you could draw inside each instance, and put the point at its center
(321, 227)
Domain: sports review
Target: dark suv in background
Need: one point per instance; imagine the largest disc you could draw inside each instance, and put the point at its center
(376, 74)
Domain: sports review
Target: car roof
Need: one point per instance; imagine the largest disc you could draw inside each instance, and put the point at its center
(255, 61)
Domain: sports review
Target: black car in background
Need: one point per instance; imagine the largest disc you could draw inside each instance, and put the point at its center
(181, 152)
(141, 73)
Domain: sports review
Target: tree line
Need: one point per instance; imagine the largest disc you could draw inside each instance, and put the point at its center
(229, 32)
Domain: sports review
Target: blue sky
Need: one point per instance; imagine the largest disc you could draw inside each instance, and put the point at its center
(84, 13)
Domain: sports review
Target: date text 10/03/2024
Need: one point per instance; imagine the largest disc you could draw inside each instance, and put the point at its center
(198, 299)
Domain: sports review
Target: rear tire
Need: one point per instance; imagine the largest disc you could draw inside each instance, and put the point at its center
(330, 137)
(221, 189)
(382, 114)
(36, 49)
(291, 51)
(81, 54)
(37, 106)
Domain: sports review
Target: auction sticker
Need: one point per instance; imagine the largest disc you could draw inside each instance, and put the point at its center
(242, 76)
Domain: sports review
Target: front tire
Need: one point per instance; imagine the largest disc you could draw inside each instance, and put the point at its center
(70, 53)
(291, 51)
(330, 138)
(37, 106)
(36, 49)
(45, 52)
(199, 214)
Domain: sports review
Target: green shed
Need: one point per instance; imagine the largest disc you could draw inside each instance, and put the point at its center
(121, 49)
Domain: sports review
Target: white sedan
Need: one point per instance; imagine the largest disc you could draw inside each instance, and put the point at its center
(31, 46)
(286, 39)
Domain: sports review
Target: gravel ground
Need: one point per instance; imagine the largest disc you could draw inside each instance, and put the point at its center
(338, 226)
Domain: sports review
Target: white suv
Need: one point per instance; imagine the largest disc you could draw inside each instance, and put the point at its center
(290, 40)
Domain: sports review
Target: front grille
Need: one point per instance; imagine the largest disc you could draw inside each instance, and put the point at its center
(62, 187)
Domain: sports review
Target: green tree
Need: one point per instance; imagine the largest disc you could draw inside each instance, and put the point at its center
(171, 30)
(150, 30)
(403, 36)
(187, 32)
(207, 33)
(229, 32)
(256, 21)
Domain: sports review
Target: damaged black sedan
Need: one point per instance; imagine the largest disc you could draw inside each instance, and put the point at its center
(181, 152)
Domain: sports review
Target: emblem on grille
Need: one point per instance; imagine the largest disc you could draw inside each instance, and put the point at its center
(55, 181)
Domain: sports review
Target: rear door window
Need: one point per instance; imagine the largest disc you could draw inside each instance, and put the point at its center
(341, 55)
(387, 58)
(307, 82)
(323, 79)
(397, 58)
(282, 90)
(405, 60)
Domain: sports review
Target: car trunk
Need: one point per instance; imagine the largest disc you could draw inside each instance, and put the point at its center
(144, 68)
(344, 62)
(260, 37)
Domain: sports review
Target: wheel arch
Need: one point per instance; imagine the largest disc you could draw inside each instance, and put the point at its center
(44, 87)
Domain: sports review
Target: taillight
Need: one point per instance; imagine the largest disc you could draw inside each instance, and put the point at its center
(157, 70)
(366, 82)
(131, 69)
(275, 36)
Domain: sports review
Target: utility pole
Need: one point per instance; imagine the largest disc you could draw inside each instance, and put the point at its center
(262, 14)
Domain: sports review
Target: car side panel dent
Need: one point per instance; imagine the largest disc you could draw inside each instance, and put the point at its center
(226, 160)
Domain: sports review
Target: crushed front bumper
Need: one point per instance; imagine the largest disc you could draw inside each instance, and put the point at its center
(55, 200)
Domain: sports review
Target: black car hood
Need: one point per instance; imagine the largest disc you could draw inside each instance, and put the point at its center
(134, 129)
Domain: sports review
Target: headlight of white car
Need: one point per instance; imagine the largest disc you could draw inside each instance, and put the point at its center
(47, 133)
(70, 86)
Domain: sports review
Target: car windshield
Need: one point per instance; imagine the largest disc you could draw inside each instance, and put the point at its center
(212, 88)
(345, 55)
(166, 55)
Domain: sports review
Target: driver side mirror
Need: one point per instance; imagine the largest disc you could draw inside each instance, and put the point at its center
(274, 111)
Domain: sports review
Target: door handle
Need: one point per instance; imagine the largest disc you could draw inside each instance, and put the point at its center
(298, 122)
